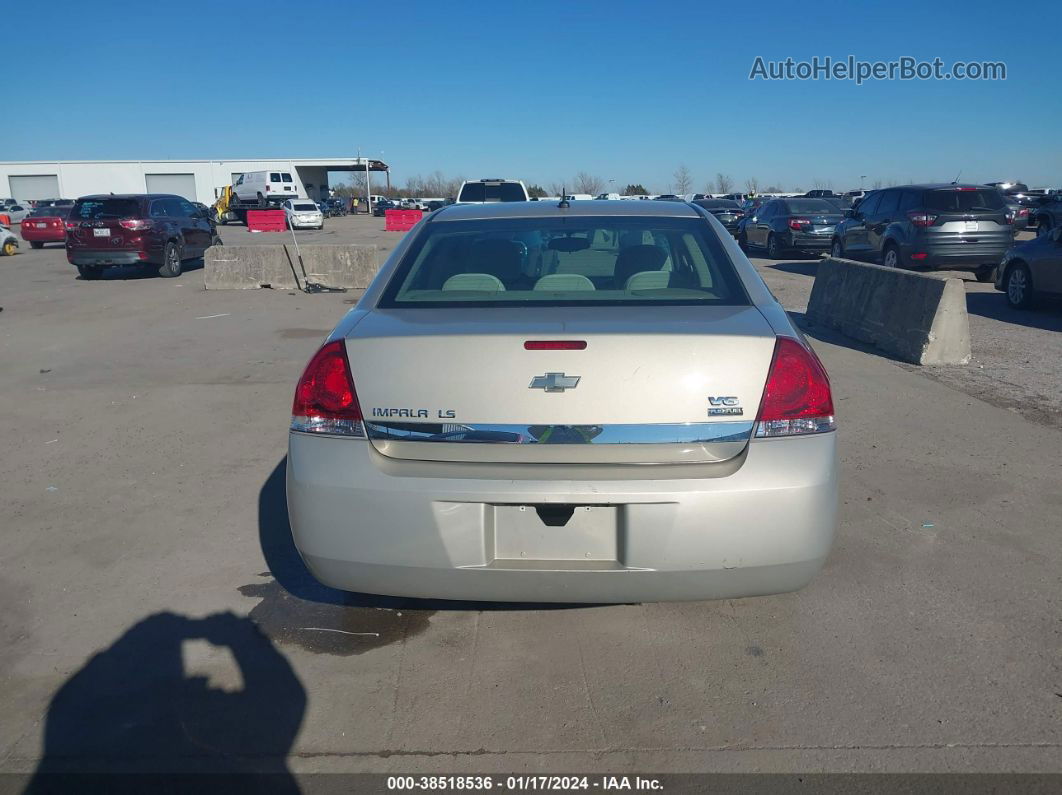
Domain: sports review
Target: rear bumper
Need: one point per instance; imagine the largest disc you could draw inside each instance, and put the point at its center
(42, 235)
(969, 257)
(77, 256)
(364, 522)
(811, 242)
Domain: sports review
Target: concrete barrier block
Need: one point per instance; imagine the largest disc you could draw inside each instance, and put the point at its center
(278, 266)
(918, 317)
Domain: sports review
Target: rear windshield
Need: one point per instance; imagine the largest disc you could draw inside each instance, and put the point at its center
(305, 207)
(717, 204)
(98, 209)
(492, 192)
(962, 200)
(811, 206)
(565, 262)
(58, 211)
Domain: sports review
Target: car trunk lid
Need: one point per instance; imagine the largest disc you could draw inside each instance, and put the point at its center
(651, 385)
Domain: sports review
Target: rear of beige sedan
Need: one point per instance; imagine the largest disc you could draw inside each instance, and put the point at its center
(596, 403)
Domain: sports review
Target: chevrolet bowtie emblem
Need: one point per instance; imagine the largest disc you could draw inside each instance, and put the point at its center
(554, 382)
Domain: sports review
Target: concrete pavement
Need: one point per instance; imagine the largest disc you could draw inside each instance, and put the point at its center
(142, 492)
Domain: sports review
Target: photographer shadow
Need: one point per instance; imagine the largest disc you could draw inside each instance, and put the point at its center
(133, 715)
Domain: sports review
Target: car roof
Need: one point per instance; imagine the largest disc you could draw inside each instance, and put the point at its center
(935, 186)
(131, 196)
(551, 209)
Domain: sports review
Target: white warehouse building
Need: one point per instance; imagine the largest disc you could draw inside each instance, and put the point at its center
(196, 180)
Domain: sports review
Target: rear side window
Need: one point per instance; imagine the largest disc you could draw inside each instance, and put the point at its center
(565, 262)
(869, 205)
(274, 177)
(964, 200)
(909, 200)
(101, 209)
(889, 201)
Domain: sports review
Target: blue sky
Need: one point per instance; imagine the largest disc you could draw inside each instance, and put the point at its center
(538, 91)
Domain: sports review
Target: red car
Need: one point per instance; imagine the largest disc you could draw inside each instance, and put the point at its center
(160, 230)
(45, 225)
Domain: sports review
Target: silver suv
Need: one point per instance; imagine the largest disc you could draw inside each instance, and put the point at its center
(940, 226)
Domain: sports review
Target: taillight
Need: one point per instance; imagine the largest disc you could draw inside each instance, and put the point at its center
(796, 399)
(135, 224)
(70, 226)
(799, 223)
(921, 219)
(325, 400)
(267, 189)
(555, 345)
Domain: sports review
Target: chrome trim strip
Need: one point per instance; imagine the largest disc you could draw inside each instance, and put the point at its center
(494, 433)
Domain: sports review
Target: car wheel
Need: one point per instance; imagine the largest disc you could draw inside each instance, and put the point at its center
(890, 257)
(774, 248)
(217, 241)
(743, 241)
(261, 201)
(171, 261)
(90, 272)
(36, 244)
(837, 249)
(985, 274)
(1043, 226)
(1019, 286)
(9, 248)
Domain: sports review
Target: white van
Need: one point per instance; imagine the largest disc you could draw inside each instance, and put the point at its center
(266, 187)
(485, 191)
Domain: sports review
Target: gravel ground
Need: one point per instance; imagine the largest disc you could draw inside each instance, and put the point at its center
(1017, 355)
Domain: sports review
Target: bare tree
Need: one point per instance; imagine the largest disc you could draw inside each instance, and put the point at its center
(752, 185)
(683, 179)
(723, 183)
(557, 189)
(877, 184)
(588, 183)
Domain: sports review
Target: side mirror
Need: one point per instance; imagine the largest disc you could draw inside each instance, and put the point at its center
(1056, 234)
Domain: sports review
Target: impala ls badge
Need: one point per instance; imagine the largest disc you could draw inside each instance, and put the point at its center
(554, 382)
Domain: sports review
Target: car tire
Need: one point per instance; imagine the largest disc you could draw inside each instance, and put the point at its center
(1043, 226)
(261, 202)
(774, 248)
(743, 242)
(36, 244)
(986, 273)
(837, 249)
(890, 256)
(89, 272)
(171, 261)
(217, 241)
(1018, 286)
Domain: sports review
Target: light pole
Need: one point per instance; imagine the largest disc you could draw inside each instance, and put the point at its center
(861, 178)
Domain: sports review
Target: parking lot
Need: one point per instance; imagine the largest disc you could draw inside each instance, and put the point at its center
(152, 590)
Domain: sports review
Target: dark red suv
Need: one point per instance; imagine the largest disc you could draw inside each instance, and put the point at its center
(155, 229)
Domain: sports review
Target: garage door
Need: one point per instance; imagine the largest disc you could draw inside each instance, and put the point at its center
(179, 184)
(29, 187)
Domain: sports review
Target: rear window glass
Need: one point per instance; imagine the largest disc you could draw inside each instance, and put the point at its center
(99, 209)
(811, 206)
(285, 177)
(565, 262)
(274, 177)
(717, 204)
(304, 207)
(492, 192)
(952, 200)
(59, 211)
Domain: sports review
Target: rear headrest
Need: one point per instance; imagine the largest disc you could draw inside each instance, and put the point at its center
(479, 282)
(637, 259)
(563, 282)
